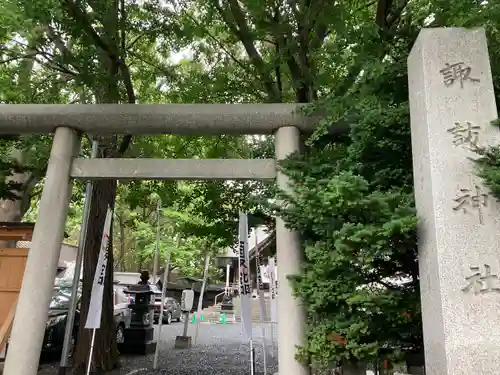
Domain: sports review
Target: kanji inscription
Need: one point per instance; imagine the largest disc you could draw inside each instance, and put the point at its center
(481, 283)
(465, 134)
(471, 200)
(244, 272)
(260, 284)
(458, 72)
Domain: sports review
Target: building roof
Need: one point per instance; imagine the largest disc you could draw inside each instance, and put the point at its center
(16, 231)
(263, 245)
(261, 235)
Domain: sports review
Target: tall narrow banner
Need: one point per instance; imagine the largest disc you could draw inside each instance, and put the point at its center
(262, 301)
(260, 288)
(271, 269)
(95, 307)
(244, 277)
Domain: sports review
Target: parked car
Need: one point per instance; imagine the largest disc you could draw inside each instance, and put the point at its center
(171, 310)
(56, 322)
(122, 312)
(58, 311)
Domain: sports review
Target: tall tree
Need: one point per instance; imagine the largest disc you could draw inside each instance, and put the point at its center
(109, 46)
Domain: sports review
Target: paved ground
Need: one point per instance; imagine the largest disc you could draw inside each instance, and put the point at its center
(220, 350)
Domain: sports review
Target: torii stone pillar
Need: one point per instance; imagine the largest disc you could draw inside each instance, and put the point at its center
(291, 314)
(38, 283)
(452, 104)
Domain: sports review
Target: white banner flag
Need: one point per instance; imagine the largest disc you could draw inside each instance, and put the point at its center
(244, 276)
(95, 307)
(272, 288)
(264, 272)
(263, 313)
(260, 289)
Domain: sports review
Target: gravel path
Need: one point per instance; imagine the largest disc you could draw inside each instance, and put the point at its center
(220, 350)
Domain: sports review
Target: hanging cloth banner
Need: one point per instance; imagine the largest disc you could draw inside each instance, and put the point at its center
(260, 288)
(244, 278)
(271, 269)
(262, 301)
(264, 272)
(95, 307)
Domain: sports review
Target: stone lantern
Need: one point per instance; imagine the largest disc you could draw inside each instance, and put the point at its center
(227, 260)
(138, 338)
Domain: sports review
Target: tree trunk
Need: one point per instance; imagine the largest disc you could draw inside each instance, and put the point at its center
(12, 210)
(105, 349)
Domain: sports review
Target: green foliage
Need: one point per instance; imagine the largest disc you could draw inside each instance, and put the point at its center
(360, 277)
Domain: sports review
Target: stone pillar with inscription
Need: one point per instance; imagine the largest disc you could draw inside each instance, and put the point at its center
(452, 105)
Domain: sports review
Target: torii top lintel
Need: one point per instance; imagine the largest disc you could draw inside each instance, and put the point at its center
(150, 119)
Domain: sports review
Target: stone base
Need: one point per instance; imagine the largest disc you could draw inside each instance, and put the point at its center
(137, 347)
(142, 334)
(182, 342)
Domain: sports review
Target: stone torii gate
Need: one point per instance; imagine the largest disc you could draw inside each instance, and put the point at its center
(69, 122)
